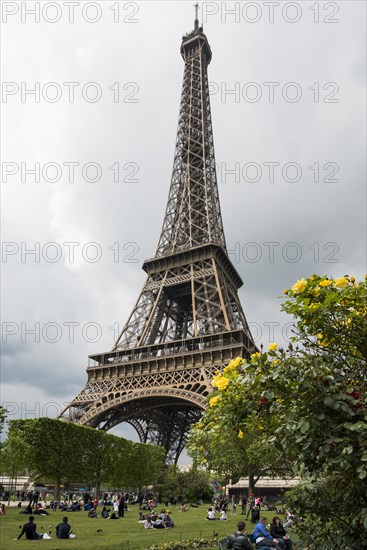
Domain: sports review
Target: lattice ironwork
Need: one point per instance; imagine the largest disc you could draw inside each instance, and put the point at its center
(188, 320)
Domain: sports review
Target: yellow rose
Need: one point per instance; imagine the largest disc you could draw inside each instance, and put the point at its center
(316, 291)
(222, 383)
(233, 364)
(272, 346)
(276, 362)
(326, 282)
(341, 282)
(214, 401)
(255, 355)
(215, 380)
(299, 286)
(240, 434)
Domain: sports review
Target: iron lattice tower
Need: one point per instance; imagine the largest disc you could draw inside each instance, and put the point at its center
(188, 320)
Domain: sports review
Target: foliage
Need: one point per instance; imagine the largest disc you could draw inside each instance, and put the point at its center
(329, 512)
(53, 448)
(186, 544)
(2, 418)
(309, 401)
(13, 456)
(218, 442)
(62, 451)
(13, 460)
(193, 485)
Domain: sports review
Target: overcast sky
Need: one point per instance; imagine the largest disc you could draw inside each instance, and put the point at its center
(292, 130)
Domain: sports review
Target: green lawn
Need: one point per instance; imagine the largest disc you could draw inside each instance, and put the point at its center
(124, 534)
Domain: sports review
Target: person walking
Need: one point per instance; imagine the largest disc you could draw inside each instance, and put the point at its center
(121, 506)
(233, 502)
(251, 504)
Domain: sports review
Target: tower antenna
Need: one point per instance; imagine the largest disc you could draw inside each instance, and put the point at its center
(196, 6)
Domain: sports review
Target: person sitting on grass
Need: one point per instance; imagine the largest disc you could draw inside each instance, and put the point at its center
(168, 521)
(142, 517)
(27, 510)
(211, 514)
(148, 524)
(263, 537)
(113, 516)
(40, 511)
(223, 515)
(105, 512)
(30, 530)
(63, 530)
(92, 513)
(289, 519)
(158, 524)
(182, 508)
(278, 532)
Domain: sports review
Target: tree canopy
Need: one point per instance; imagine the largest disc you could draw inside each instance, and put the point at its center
(62, 451)
(307, 401)
(193, 485)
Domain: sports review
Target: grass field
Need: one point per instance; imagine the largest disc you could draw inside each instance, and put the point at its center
(124, 534)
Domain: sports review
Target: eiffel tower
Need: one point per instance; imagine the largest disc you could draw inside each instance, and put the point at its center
(188, 320)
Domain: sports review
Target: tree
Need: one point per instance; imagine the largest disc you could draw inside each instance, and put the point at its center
(62, 451)
(54, 448)
(193, 485)
(217, 441)
(98, 456)
(310, 402)
(2, 419)
(146, 461)
(13, 459)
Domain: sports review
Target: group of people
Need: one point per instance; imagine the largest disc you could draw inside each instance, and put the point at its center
(275, 537)
(248, 504)
(212, 511)
(90, 504)
(38, 510)
(33, 496)
(63, 530)
(157, 521)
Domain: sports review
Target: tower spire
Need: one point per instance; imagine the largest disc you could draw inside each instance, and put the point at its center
(193, 215)
(196, 6)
